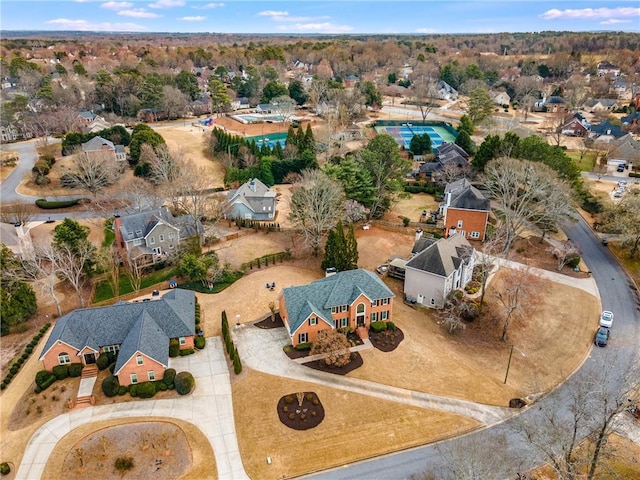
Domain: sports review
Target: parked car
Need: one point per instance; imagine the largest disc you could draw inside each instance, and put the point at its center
(602, 337)
(606, 319)
(620, 168)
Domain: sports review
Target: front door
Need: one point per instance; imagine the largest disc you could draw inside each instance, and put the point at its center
(360, 315)
(89, 358)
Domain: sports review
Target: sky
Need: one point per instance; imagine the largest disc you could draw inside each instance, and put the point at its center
(330, 17)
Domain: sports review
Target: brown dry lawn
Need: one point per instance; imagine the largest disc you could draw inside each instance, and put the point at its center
(355, 427)
(471, 364)
(412, 206)
(186, 449)
(9, 156)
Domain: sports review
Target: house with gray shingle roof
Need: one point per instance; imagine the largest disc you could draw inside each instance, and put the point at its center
(137, 332)
(152, 236)
(437, 269)
(252, 201)
(102, 149)
(345, 300)
(465, 210)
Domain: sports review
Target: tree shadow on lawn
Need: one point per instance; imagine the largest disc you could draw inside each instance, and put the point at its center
(356, 362)
(266, 323)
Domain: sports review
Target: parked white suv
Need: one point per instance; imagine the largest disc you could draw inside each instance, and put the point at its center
(606, 319)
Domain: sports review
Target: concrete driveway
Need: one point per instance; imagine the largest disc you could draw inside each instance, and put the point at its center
(209, 408)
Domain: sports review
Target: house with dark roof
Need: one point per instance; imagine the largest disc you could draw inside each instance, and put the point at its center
(553, 104)
(138, 333)
(437, 268)
(99, 148)
(465, 210)
(349, 299)
(606, 131)
(152, 236)
(576, 126)
(446, 154)
(252, 201)
(632, 121)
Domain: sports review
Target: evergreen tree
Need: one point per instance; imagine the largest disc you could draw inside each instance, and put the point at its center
(352, 249)
(309, 141)
(264, 171)
(277, 151)
(300, 140)
(463, 140)
(466, 124)
(335, 250)
(489, 149)
(291, 136)
(330, 254)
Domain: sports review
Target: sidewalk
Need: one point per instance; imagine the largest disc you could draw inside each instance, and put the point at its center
(209, 408)
(261, 350)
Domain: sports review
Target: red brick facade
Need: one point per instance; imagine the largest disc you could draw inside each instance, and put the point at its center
(148, 371)
(471, 224)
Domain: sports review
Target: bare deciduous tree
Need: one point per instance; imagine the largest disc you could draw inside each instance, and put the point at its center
(564, 252)
(71, 265)
(284, 105)
(519, 290)
(134, 269)
(111, 262)
(92, 173)
(174, 101)
(17, 212)
(527, 89)
(42, 269)
(316, 206)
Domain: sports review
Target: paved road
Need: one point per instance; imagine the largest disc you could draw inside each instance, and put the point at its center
(500, 441)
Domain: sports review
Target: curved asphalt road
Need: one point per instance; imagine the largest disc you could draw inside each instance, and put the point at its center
(616, 296)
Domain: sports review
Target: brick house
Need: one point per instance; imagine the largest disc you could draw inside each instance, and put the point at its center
(151, 236)
(465, 210)
(102, 149)
(576, 126)
(349, 299)
(139, 333)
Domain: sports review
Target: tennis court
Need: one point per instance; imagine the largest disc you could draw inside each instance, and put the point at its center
(403, 132)
(270, 140)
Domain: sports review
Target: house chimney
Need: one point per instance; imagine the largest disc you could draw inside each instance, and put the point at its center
(418, 234)
(252, 185)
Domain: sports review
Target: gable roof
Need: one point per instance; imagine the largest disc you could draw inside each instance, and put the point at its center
(340, 289)
(470, 199)
(138, 225)
(254, 195)
(447, 147)
(97, 143)
(607, 128)
(443, 257)
(144, 327)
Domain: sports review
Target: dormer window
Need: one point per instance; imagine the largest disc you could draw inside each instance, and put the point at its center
(138, 232)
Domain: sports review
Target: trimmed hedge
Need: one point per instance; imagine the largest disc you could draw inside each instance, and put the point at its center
(122, 390)
(200, 342)
(169, 376)
(110, 386)
(47, 205)
(5, 469)
(378, 326)
(187, 351)
(46, 384)
(75, 370)
(61, 371)
(391, 326)
(146, 389)
(174, 347)
(102, 361)
(28, 350)
(43, 376)
(161, 386)
(184, 383)
(303, 346)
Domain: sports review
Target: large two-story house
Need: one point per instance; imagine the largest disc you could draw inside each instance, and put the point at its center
(252, 201)
(349, 299)
(139, 333)
(437, 268)
(102, 149)
(149, 237)
(465, 210)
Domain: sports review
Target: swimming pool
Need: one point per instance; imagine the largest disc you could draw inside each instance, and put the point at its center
(259, 117)
(404, 132)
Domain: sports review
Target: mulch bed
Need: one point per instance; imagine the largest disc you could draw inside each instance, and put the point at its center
(386, 341)
(304, 417)
(533, 253)
(356, 362)
(267, 323)
(292, 353)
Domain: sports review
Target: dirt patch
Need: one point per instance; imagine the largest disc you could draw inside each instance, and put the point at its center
(8, 161)
(376, 246)
(196, 448)
(349, 418)
(301, 415)
(531, 251)
(412, 207)
(155, 449)
(387, 340)
(355, 363)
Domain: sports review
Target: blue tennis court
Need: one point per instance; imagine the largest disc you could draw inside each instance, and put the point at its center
(270, 140)
(404, 132)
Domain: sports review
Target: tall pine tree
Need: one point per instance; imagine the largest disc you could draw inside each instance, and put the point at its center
(352, 249)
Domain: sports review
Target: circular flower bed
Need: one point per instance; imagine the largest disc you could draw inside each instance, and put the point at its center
(300, 411)
(386, 340)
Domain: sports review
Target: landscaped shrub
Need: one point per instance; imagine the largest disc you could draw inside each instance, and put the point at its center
(43, 376)
(406, 221)
(112, 368)
(186, 351)
(573, 260)
(124, 464)
(102, 361)
(174, 347)
(75, 370)
(169, 376)
(28, 349)
(200, 342)
(303, 346)
(3, 385)
(184, 383)
(391, 326)
(47, 383)
(46, 205)
(133, 390)
(5, 469)
(378, 326)
(146, 389)
(61, 371)
(237, 364)
(161, 386)
(110, 386)
(122, 390)
(472, 287)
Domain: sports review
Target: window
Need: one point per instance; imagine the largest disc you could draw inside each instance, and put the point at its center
(152, 240)
(313, 321)
(138, 232)
(384, 315)
(182, 340)
(385, 301)
(344, 308)
(162, 238)
(134, 378)
(140, 360)
(111, 349)
(475, 234)
(64, 358)
(171, 247)
(137, 242)
(374, 317)
(459, 223)
(303, 337)
(344, 322)
(433, 301)
(151, 375)
(334, 309)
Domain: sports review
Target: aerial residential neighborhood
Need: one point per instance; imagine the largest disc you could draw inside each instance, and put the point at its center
(304, 247)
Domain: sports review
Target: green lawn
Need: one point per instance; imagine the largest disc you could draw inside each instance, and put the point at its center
(109, 235)
(587, 162)
(104, 292)
(196, 285)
